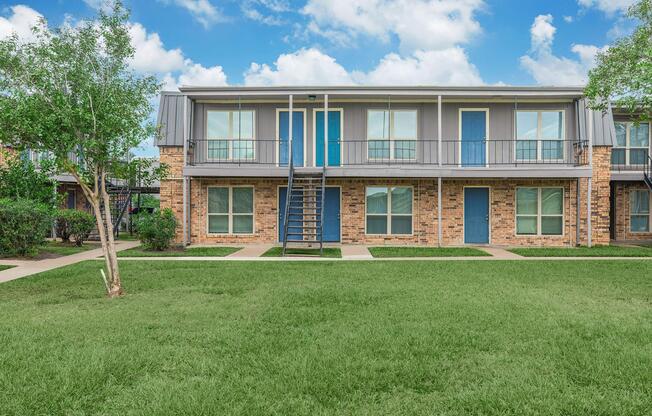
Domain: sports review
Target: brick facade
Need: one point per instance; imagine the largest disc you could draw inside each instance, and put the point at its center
(622, 212)
(502, 207)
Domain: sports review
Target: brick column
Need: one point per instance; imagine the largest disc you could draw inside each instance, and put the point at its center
(599, 198)
(172, 185)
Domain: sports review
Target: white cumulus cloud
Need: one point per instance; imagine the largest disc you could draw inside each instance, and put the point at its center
(418, 24)
(313, 67)
(151, 55)
(303, 67)
(549, 69)
(19, 22)
(608, 7)
(202, 10)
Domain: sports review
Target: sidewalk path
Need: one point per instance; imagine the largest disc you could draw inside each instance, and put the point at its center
(252, 250)
(28, 268)
(356, 253)
(501, 253)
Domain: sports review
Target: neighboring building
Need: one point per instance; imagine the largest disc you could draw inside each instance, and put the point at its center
(515, 166)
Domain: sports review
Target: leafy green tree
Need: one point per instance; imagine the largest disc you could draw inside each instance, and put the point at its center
(624, 71)
(19, 179)
(71, 92)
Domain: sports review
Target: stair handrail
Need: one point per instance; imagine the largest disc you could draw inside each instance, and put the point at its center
(647, 172)
(122, 210)
(287, 202)
(321, 213)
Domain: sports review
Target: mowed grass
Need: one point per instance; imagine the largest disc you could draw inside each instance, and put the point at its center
(329, 252)
(188, 252)
(331, 338)
(597, 251)
(65, 249)
(5, 267)
(426, 252)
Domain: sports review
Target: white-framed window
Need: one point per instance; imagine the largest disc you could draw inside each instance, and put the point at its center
(639, 211)
(392, 134)
(230, 210)
(230, 135)
(539, 211)
(632, 145)
(539, 135)
(389, 210)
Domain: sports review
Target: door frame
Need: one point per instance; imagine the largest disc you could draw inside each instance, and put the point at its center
(278, 135)
(489, 195)
(459, 134)
(314, 135)
(278, 215)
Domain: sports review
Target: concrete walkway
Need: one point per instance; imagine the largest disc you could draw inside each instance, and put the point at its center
(500, 253)
(356, 253)
(251, 250)
(28, 268)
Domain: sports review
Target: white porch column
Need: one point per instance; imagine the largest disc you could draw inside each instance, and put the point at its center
(290, 117)
(588, 191)
(439, 181)
(186, 137)
(325, 130)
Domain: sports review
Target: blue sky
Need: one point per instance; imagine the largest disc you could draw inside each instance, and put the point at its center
(336, 42)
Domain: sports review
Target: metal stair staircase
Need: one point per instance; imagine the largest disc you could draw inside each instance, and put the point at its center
(303, 226)
(120, 196)
(647, 173)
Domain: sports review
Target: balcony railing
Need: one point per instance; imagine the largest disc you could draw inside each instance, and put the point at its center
(352, 152)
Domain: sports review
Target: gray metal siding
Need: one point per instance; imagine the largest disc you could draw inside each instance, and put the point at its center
(170, 120)
(604, 131)
(501, 127)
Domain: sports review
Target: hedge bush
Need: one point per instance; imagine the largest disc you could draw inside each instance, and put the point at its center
(24, 225)
(75, 224)
(156, 230)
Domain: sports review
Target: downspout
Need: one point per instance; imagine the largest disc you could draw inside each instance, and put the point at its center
(588, 191)
(578, 213)
(185, 163)
(439, 181)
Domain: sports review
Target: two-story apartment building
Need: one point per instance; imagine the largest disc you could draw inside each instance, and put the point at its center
(403, 165)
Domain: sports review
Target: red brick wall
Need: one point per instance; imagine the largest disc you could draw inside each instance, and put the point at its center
(502, 201)
(622, 220)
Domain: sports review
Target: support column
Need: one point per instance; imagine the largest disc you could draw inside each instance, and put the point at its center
(325, 130)
(439, 228)
(588, 191)
(185, 179)
(290, 117)
(439, 162)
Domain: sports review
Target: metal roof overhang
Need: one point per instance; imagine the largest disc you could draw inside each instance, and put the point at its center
(371, 92)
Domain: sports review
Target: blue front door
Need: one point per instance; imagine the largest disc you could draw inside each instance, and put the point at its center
(334, 139)
(297, 137)
(474, 138)
(476, 215)
(331, 214)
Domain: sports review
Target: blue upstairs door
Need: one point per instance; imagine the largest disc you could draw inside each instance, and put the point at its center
(476, 215)
(474, 136)
(297, 137)
(331, 215)
(334, 139)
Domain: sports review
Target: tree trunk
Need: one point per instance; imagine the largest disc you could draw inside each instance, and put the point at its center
(105, 230)
(115, 285)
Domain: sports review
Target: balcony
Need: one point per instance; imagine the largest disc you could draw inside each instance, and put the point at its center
(354, 157)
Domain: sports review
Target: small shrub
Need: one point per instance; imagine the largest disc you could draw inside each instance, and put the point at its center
(61, 227)
(24, 224)
(75, 224)
(80, 224)
(156, 230)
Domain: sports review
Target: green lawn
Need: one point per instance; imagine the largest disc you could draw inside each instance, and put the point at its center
(52, 249)
(4, 267)
(57, 248)
(426, 252)
(329, 252)
(597, 251)
(189, 252)
(331, 338)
